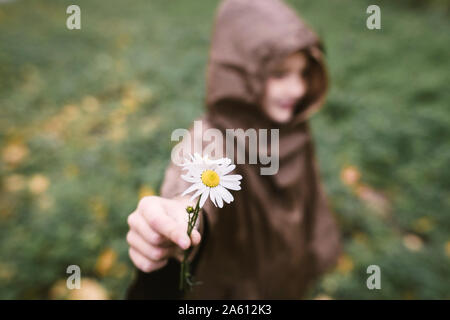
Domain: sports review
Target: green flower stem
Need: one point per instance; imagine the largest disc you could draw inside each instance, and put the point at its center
(185, 275)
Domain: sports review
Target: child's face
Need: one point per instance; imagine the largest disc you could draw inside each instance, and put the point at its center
(285, 87)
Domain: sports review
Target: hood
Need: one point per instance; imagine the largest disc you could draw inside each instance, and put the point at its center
(249, 38)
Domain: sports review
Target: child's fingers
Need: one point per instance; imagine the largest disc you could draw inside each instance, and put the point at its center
(149, 235)
(196, 237)
(164, 218)
(168, 227)
(149, 252)
(138, 223)
(176, 208)
(153, 253)
(143, 263)
(155, 215)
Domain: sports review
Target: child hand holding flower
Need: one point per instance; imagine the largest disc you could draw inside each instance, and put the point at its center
(158, 232)
(160, 228)
(209, 178)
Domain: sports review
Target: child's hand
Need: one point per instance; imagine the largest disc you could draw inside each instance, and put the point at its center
(158, 231)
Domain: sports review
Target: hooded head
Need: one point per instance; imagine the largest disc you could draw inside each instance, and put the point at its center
(250, 39)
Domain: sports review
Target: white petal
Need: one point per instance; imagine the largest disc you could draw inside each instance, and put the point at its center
(198, 158)
(225, 161)
(204, 197)
(228, 169)
(232, 177)
(230, 185)
(226, 195)
(213, 196)
(196, 171)
(190, 178)
(214, 161)
(218, 198)
(199, 191)
(192, 188)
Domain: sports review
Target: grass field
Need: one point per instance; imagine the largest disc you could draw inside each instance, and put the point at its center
(86, 117)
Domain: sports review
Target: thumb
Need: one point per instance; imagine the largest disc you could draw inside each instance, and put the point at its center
(195, 237)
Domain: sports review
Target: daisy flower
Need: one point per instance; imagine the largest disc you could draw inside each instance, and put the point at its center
(211, 178)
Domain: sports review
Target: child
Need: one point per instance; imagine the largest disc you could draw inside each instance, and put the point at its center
(265, 71)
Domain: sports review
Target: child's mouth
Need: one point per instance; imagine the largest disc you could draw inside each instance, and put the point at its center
(287, 105)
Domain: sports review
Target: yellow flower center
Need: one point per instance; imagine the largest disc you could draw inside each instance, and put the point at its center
(210, 178)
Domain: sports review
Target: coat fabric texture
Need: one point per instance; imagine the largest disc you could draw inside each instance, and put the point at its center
(279, 234)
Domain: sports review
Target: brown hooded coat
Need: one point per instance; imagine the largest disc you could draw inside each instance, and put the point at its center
(278, 235)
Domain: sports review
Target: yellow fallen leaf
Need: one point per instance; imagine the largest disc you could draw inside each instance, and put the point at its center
(54, 125)
(38, 184)
(98, 208)
(412, 242)
(345, 264)
(447, 248)
(90, 290)
(323, 297)
(130, 104)
(350, 175)
(118, 117)
(409, 295)
(105, 261)
(14, 153)
(117, 133)
(6, 271)
(423, 225)
(70, 112)
(59, 290)
(360, 237)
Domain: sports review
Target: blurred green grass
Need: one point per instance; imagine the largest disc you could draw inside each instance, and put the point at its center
(85, 127)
